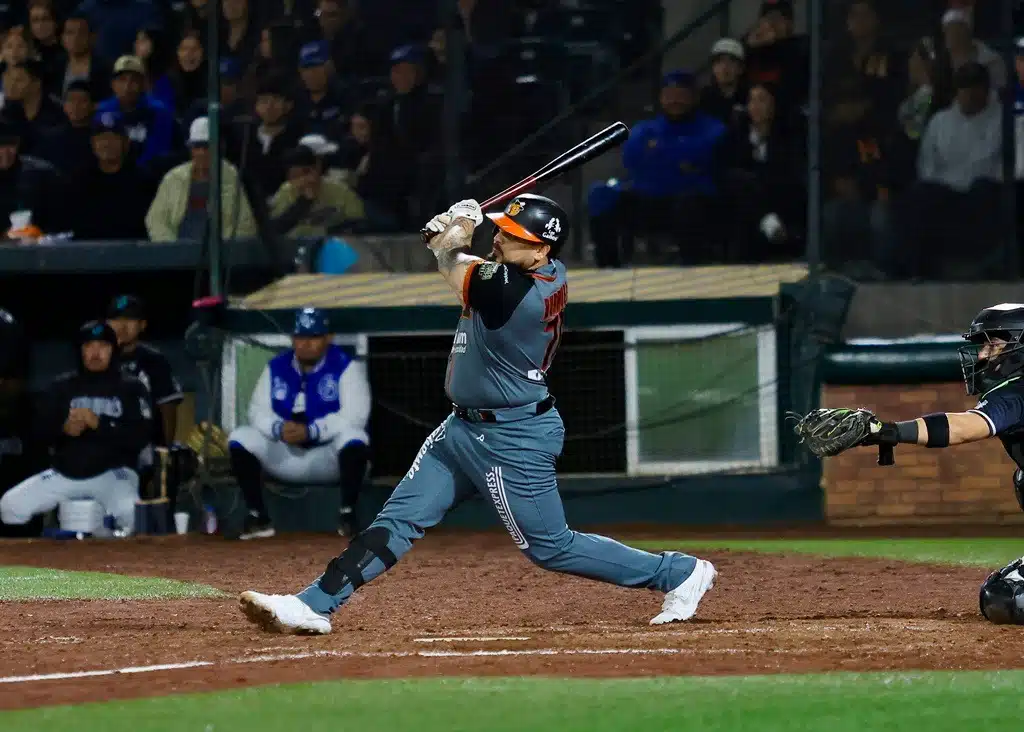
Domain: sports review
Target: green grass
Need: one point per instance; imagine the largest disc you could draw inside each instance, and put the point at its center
(33, 583)
(936, 702)
(982, 552)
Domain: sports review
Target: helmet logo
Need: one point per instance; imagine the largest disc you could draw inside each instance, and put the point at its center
(514, 208)
(306, 319)
(552, 229)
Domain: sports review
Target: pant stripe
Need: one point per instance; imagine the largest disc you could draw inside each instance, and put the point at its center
(505, 512)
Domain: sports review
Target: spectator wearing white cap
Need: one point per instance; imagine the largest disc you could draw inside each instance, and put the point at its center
(963, 47)
(726, 96)
(326, 152)
(179, 210)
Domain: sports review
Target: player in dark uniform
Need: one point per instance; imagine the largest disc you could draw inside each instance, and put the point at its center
(503, 436)
(993, 368)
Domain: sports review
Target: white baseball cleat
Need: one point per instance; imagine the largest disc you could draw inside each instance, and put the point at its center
(681, 603)
(282, 614)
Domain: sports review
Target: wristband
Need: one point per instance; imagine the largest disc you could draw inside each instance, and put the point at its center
(908, 432)
(938, 429)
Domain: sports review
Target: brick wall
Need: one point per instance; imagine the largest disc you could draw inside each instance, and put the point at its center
(964, 484)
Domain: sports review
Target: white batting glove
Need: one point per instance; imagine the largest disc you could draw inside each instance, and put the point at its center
(468, 209)
(438, 224)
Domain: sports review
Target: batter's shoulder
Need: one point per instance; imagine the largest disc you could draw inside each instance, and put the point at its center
(495, 290)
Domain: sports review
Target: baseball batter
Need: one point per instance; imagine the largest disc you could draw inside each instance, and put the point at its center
(503, 436)
(307, 424)
(993, 368)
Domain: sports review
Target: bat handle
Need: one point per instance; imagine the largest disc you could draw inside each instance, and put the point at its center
(885, 455)
(426, 235)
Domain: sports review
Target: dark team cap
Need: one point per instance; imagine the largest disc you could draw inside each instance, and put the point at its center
(126, 306)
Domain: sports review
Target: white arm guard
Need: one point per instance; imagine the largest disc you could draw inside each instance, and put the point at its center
(261, 414)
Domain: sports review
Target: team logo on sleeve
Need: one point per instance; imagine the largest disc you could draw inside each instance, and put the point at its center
(280, 390)
(552, 229)
(328, 388)
(487, 269)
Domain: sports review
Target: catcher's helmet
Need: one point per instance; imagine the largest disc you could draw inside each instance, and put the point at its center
(535, 219)
(310, 322)
(1004, 323)
(1001, 597)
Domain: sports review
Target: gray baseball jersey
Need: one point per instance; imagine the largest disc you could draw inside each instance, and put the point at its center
(507, 336)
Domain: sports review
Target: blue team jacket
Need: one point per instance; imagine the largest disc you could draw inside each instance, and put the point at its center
(669, 158)
(320, 386)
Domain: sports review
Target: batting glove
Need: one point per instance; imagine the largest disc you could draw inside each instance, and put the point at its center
(468, 209)
(438, 224)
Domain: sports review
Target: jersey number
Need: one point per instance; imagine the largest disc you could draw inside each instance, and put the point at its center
(554, 306)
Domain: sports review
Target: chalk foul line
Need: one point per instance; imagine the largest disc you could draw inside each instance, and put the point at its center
(268, 658)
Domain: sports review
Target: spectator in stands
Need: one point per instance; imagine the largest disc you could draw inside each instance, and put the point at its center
(82, 63)
(765, 174)
(415, 117)
(69, 147)
(241, 32)
(913, 113)
(116, 22)
(23, 89)
(307, 205)
(726, 96)
(235, 111)
(276, 134)
(275, 56)
(378, 171)
(186, 79)
(327, 105)
(857, 170)
(17, 46)
(863, 53)
(45, 36)
(963, 47)
(111, 195)
(156, 51)
(776, 56)
(326, 152)
(671, 162)
(26, 183)
(953, 209)
(179, 210)
(151, 126)
(340, 27)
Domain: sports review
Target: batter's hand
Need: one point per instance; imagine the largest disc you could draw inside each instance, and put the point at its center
(467, 209)
(294, 433)
(438, 224)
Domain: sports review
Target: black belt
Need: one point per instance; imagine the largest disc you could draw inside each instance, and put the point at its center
(511, 414)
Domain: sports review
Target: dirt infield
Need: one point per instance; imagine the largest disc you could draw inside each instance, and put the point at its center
(471, 604)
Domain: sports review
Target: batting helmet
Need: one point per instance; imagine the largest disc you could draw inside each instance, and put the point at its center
(1002, 595)
(1003, 323)
(310, 322)
(535, 219)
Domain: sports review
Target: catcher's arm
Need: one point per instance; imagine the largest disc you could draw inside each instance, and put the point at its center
(959, 428)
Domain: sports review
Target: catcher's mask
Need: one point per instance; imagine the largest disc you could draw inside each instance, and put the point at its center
(995, 350)
(1001, 598)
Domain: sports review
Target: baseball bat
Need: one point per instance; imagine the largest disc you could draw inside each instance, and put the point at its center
(611, 136)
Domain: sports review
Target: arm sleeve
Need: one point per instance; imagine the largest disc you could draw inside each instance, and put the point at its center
(1003, 412)
(356, 400)
(495, 291)
(166, 388)
(261, 414)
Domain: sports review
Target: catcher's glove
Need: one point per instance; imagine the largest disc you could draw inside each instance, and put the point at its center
(828, 432)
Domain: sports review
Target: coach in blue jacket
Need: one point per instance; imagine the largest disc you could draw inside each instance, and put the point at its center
(150, 125)
(671, 187)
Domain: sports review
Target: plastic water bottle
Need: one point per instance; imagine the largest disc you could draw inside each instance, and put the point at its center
(209, 520)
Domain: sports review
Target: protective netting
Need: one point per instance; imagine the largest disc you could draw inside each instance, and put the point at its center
(666, 400)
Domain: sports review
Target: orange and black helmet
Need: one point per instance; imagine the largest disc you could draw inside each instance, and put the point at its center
(535, 219)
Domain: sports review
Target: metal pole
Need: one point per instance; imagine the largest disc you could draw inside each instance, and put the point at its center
(213, 202)
(1011, 249)
(815, 29)
(454, 101)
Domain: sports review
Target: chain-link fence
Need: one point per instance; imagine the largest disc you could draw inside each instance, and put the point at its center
(918, 139)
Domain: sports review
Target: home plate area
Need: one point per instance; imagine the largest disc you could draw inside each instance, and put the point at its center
(470, 604)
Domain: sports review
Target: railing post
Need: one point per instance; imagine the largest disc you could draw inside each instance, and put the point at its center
(213, 201)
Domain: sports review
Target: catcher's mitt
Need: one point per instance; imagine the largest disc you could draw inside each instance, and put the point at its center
(828, 432)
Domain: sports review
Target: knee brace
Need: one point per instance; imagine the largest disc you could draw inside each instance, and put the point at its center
(347, 569)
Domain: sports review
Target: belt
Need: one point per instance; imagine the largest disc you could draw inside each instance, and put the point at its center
(508, 414)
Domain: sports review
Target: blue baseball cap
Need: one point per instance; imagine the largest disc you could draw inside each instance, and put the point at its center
(230, 68)
(316, 53)
(310, 322)
(411, 54)
(108, 122)
(679, 77)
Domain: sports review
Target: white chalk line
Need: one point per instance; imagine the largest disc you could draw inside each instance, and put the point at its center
(270, 658)
(471, 639)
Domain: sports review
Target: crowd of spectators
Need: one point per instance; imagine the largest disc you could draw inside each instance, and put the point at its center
(911, 151)
(330, 113)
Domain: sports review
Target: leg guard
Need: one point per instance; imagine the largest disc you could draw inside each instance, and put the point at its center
(348, 568)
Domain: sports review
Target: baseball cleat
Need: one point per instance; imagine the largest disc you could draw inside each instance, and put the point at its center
(282, 614)
(256, 527)
(681, 603)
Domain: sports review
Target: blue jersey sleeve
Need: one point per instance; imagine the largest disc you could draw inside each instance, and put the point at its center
(1004, 412)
